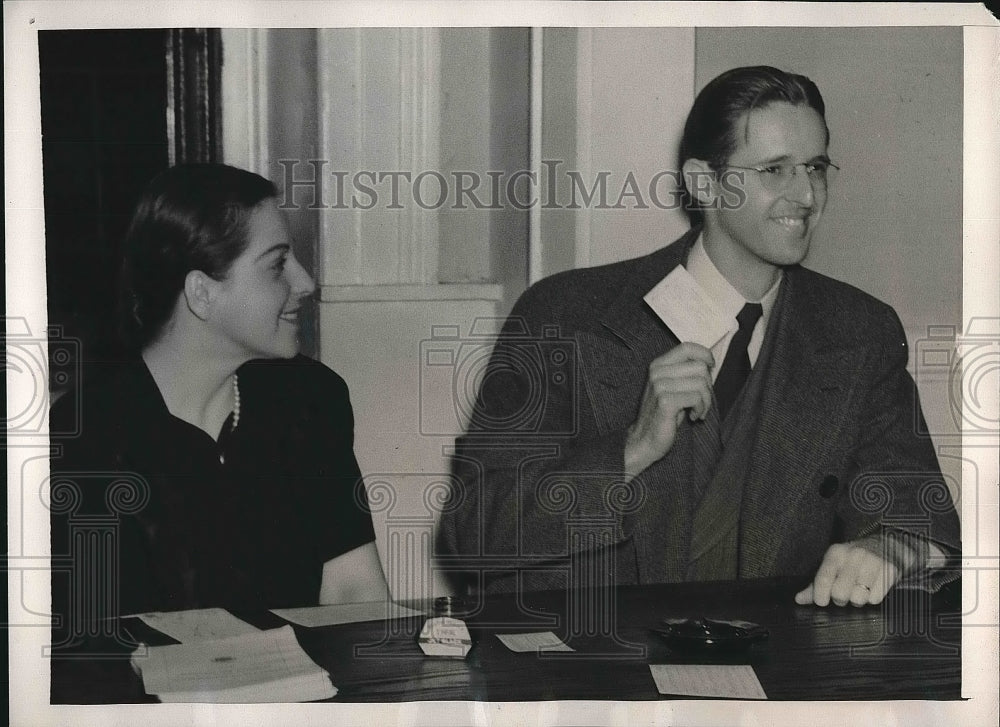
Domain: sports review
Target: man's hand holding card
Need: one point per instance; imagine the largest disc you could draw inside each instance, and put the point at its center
(680, 379)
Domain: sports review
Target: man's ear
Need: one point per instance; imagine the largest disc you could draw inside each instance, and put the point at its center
(701, 181)
(199, 292)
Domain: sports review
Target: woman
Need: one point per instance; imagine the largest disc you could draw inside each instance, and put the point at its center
(226, 456)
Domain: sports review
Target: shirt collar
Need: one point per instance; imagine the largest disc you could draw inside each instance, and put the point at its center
(728, 300)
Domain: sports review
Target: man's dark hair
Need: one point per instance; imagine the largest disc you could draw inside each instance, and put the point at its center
(711, 130)
(190, 217)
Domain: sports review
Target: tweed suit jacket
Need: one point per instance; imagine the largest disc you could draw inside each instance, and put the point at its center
(539, 489)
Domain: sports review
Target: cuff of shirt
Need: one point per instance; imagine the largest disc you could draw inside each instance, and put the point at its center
(910, 553)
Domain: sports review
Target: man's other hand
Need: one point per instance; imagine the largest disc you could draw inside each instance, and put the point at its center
(849, 573)
(679, 381)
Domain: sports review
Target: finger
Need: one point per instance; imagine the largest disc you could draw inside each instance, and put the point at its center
(658, 370)
(672, 385)
(869, 570)
(805, 596)
(678, 393)
(686, 351)
(706, 399)
(683, 375)
(843, 585)
(861, 595)
(827, 573)
(691, 374)
(855, 569)
(669, 405)
(886, 578)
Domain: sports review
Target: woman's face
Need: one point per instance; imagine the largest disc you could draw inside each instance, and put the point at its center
(256, 307)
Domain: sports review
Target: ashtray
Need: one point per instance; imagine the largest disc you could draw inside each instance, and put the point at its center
(710, 634)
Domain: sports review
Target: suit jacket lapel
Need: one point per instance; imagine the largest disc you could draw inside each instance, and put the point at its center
(615, 353)
(802, 404)
(617, 347)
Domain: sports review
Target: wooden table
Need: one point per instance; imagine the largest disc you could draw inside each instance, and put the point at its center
(906, 648)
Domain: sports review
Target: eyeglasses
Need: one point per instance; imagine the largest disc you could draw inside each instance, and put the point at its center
(777, 177)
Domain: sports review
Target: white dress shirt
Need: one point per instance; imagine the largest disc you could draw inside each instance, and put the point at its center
(729, 302)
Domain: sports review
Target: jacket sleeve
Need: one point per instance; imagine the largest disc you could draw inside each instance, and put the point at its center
(532, 470)
(897, 486)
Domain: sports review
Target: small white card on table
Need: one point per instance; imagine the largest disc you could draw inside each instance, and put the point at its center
(541, 641)
(731, 681)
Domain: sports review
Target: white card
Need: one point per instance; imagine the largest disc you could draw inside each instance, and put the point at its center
(345, 613)
(205, 624)
(688, 312)
(734, 681)
(543, 641)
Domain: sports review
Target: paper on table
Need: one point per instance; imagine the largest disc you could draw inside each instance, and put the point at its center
(345, 613)
(539, 641)
(688, 312)
(204, 624)
(735, 681)
(266, 666)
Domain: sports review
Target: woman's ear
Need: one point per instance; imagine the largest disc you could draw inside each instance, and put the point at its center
(199, 292)
(701, 181)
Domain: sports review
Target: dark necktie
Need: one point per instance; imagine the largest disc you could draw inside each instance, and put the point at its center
(736, 366)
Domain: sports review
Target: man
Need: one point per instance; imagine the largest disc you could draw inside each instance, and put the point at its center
(753, 419)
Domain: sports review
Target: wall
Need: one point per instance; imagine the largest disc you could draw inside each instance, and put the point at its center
(398, 284)
(400, 288)
(269, 114)
(614, 104)
(893, 223)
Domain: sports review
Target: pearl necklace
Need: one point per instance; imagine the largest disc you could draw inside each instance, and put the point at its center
(236, 413)
(236, 402)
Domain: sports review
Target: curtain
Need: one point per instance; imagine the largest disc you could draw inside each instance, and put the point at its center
(194, 95)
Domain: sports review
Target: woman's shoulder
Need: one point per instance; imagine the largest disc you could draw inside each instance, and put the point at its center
(105, 390)
(114, 404)
(293, 379)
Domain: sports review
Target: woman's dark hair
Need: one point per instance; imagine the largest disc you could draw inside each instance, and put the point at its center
(190, 217)
(710, 133)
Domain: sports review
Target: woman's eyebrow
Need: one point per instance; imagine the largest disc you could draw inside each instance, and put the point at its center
(282, 247)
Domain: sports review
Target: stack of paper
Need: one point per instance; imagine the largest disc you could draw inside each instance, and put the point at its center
(205, 624)
(264, 666)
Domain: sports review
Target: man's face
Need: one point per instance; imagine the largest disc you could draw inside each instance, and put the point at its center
(771, 228)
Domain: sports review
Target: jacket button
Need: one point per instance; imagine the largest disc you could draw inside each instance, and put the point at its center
(828, 486)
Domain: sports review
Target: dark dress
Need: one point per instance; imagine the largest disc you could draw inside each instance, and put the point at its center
(188, 530)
